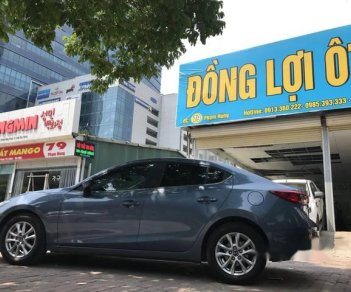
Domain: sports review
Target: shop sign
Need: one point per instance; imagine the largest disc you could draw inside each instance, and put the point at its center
(40, 122)
(48, 101)
(299, 75)
(84, 149)
(70, 89)
(37, 150)
(85, 86)
(56, 92)
(42, 94)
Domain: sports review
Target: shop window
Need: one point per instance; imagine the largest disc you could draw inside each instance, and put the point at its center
(34, 180)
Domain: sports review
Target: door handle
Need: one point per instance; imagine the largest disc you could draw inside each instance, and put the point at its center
(206, 200)
(130, 203)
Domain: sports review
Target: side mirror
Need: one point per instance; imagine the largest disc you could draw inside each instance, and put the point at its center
(318, 194)
(86, 189)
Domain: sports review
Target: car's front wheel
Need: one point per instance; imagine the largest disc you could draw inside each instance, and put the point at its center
(22, 240)
(236, 253)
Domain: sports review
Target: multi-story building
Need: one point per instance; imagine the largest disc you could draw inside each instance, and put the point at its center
(38, 149)
(24, 67)
(128, 111)
(170, 136)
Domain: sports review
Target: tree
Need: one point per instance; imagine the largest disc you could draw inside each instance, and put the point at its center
(121, 39)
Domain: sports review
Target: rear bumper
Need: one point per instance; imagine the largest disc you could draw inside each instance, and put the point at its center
(285, 243)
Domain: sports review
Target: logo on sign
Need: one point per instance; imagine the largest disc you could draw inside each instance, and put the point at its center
(49, 121)
(85, 85)
(196, 118)
(68, 90)
(43, 94)
(57, 92)
(17, 125)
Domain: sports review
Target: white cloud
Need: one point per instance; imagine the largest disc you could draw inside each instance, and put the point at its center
(251, 23)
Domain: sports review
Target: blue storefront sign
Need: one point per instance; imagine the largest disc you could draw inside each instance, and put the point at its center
(84, 86)
(43, 94)
(299, 75)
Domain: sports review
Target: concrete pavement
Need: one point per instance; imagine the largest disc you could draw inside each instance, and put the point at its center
(325, 268)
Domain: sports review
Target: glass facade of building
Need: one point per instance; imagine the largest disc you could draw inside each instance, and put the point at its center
(109, 115)
(24, 67)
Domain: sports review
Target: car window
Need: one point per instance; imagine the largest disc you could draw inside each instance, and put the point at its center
(182, 174)
(216, 175)
(125, 178)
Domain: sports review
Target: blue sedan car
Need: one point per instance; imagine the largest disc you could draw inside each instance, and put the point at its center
(171, 209)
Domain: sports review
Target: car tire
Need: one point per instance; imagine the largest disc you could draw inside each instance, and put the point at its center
(22, 240)
(236, 253)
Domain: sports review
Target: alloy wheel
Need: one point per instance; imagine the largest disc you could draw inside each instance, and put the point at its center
(236, 254)
(20, 239)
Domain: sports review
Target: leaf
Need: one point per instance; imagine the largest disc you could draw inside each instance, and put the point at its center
(120, 39)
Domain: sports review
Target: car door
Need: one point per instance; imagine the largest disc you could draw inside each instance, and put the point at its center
(175, 212)
(109, 216)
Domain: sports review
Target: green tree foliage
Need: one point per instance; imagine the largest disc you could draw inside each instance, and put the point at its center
(120, 38)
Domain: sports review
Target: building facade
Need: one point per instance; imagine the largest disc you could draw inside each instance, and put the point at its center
(24, 67)
(128, 111)
(38, 149)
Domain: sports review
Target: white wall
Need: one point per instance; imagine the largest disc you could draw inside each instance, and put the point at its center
(151, 98)
(170, 136)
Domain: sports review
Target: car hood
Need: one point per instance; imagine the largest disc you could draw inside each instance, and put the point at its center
(33, 199)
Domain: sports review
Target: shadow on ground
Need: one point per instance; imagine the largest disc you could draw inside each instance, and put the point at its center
(187, 277)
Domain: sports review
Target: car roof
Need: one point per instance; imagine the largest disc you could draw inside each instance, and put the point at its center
(184, 160)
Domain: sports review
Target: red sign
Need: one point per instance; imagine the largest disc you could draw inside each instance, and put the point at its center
(38, 150)
(22, 152)
(21, 124)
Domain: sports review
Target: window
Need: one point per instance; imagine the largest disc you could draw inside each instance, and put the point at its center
(216, 175)
(155, 112)
(179, 174)
(26, 45)
(126, 178)
(149, 142)
(151, 132)
(185, 149)
(153, 122)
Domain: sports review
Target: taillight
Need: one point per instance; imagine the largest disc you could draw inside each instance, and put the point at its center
(292, 196)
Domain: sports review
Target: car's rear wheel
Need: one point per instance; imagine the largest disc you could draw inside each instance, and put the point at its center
(22, 240)
(236, 253)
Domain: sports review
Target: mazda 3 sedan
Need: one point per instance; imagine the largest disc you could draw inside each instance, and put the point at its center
(170, 209)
